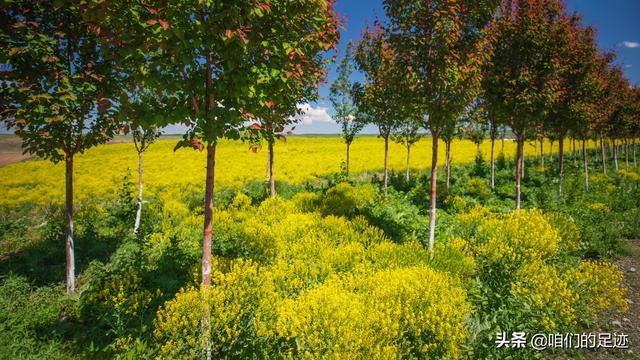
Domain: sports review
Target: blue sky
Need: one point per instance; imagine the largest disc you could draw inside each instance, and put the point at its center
(616, 22)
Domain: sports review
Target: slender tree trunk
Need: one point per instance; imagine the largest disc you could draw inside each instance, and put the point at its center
(551, 151)
(208, 215)
(575, 156)
(585, 165)
(603, 155)
(386, 163)
(520, 143)
(560, 162)
(136, 226)
(615, 154)
(71, 264)
(408, 163)
(541, 154)
(434, 184)
(635, 146)
(447, 163)
(522, 162)
(266, 177)
(626, 152)
(347, 167)
(272, 179)
(493, 164)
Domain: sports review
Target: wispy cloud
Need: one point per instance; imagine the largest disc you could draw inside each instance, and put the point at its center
(630, 44)
(627, 65)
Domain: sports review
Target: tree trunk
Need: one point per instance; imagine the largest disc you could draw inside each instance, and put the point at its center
(266, 177)
(560, 162)
(541, 154)
(208, 215)
(551, 151)
(347, 166)
(434, 184)
(585, 165)
(603, 155)
(493, 169)
(615, 154)
(575, 156)
(635, 146)
(71, 264)
(626, 153)
(447, 163)
(408, 163)
(136, 226)
(386, 163)
(520, 143)
(522, 161)
(272, 179)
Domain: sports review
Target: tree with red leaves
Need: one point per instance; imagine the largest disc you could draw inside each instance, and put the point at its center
(520, 78)
(382, 98)
(576, 55)
(288, 67)
(56, 95)
(444, 43)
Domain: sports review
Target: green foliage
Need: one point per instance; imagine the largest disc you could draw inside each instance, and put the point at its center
(347, 200)
(397, 217)
(58, 91)
(28, 319)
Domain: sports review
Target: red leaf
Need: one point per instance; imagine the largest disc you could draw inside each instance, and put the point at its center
(268, 104)
(282, 138)
(164, 24)
(279, 128)
(153, 11)
(266, 6)
(196, 144)
(256, 126)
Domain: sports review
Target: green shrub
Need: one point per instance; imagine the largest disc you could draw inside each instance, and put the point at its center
(397, 217)
(347, 200)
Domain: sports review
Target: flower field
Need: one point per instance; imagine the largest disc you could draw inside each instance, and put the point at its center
(100, 170)
(333, 269)
(493, 214)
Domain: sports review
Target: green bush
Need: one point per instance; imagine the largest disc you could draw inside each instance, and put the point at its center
(397, 217)
(347, 200)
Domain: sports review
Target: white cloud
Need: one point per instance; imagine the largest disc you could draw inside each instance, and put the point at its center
(627, 65)
(631, 44)
(310, 115)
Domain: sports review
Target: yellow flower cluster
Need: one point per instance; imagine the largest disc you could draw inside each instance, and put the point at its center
(412, 311)
(122, 295)
(228, 304)
(599, 285)
(519, 236)
(599, 207)
(548, 295)
(629, 175)
(567, 229)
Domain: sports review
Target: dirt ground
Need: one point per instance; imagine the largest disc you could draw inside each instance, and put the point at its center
(10, 150)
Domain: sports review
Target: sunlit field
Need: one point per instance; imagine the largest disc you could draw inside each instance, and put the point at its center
(100, 170)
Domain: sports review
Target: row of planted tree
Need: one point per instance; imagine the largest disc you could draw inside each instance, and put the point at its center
(82, 72)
